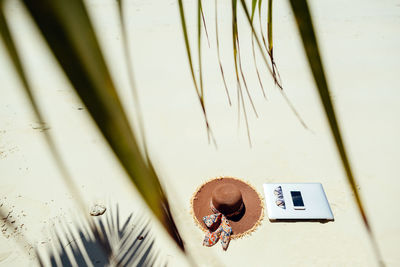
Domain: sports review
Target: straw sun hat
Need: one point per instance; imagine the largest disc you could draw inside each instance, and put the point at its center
(226, 208)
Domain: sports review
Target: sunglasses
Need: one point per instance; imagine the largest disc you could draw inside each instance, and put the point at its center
(280, 202)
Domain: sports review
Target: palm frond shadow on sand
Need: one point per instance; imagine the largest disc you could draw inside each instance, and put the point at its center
(105, 242)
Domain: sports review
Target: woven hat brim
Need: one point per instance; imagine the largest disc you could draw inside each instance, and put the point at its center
(254, 206)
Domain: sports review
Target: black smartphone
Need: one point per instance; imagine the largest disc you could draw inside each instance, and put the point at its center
(297, 199)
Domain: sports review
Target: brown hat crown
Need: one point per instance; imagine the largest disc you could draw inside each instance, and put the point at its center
(227, 198)
(236, 199)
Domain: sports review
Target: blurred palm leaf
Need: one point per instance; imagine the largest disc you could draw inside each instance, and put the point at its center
(306, 30)
(16, 60)
(66, 27)
(129, 67)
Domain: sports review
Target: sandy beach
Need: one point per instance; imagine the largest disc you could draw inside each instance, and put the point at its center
(359, 42)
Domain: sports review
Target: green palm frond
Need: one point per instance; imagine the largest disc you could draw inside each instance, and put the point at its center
(269, 25)
(253, 9)
(199, 88)
(219, 53)
(17, 62)
(306, 30)
(203, 19)
(241, 80)
(271, 69)
(235, 44)
(67, 29)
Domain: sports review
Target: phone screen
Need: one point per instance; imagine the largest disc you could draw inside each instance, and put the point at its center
(297, 198)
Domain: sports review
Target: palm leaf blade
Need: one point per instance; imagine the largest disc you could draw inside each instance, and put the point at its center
(66, 27)
(306, 30)
(253, 9)
(16, 60)
(189, 55)
(269, 25)
(219, 54)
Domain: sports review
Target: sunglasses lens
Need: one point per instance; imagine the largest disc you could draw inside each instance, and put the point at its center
(280, 203)
(278, 191)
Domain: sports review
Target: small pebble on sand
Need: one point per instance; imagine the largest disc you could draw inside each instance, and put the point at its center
(97, 210)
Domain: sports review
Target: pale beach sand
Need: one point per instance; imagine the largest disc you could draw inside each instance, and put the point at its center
(359, 42)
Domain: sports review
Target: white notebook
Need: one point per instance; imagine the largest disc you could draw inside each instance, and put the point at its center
(303, 201)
